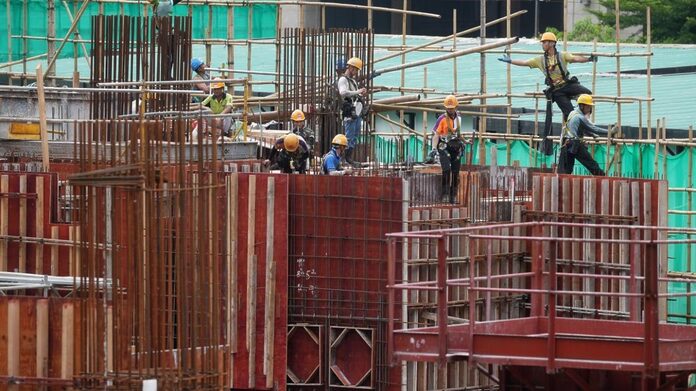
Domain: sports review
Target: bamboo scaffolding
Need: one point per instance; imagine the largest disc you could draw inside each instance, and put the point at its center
(447, 38)
(649, 53)
(477, 49)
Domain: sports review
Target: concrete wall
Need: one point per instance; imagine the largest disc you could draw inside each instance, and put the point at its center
(291, 16)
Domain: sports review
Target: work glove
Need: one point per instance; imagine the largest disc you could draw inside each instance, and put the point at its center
(431, 157)
(593, 58)
(506, 58)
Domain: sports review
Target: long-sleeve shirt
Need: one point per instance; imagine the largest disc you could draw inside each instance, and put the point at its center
(347, 87)
(578, 124)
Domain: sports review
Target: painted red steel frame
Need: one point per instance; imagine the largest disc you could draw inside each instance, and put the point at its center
(650, 329)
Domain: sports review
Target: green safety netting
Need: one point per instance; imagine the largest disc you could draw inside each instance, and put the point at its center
(674, 168)
(263, 23)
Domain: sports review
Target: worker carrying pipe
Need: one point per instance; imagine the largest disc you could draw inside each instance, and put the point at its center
(289, 154)
(449, 145)
(561, 87)
(572, 144)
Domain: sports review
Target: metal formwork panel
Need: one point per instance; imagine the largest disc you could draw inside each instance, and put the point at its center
(305, 354)
(351, 357)
(337, 258)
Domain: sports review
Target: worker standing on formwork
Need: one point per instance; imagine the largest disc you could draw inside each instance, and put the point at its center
(353, 104)
(448, 144)
(561, 87)
(219, 103)
(289, 154)
(572, 145)
(201, 73)
(331, 163)
(300, 128)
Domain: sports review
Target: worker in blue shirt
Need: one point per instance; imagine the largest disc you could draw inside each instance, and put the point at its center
(331, 163)
(572, 144)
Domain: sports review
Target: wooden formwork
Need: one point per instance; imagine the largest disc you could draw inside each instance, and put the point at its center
(39, 341)
(619, 201)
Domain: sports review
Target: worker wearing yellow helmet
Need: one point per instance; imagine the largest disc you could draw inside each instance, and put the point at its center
(331, 163)
(353, 98)
(561, 86)
(572, 145)
(300, 128)
(219, 102)
(289, 154)
(448, 145)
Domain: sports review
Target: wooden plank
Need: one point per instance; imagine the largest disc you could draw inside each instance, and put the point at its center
(42, 338)
(251, 282)
(27, 337)
(614, 234)
(589, 251)
(13, 337)
(42, 114)
(231, 259)
(662, 221)
(624, 250)
(270, 302)
(67, 339)
(39, 226)
(22, 256)
(54, 252)
(4, 220)
(3, 335)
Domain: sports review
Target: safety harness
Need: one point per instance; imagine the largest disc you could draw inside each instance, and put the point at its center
(561, 66)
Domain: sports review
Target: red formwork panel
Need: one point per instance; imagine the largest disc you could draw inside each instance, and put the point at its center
(337, 251)
(28, 204)
(245, 356)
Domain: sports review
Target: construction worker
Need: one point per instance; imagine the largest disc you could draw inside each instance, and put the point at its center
(352, 106)
(561, 86)
(299, 127)
(290, 154)
(572, 145)
(448, 144)
(219, 103)
(201, 73)
(163, 8)
(331, 163)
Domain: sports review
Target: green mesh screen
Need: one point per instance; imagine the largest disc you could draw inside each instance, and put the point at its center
(263, 23)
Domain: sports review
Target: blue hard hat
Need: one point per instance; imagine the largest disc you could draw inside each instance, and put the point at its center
(341, 63)
(196, 63)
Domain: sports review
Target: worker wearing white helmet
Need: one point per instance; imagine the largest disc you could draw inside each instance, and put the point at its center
(353, 105)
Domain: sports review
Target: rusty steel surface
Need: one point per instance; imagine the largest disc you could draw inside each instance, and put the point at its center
(338, 271)
(544, 336)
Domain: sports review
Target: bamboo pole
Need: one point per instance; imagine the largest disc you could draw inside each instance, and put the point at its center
(42, 117)
(478, 49)
(250, 32)
(369, 15)
(565, 25)
(9, 37)
(11, 63)
(689, 205)
(594, 75)
(454, 46)
(403, 60)
(77, 35)
(72, 28)
(618, 77)
(397, 99)
(50, 30)
(230, 33)
(508, 122)
(482, 72)
(649, 71)
(447, 38)
(657, 149)
(594, 53)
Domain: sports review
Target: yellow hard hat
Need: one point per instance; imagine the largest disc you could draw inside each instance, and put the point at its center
(356, 62)
(297, 115)
(548, 36)
(451, 102)
(340, 139)
(585, 99)
(218, 84)
(291, 142)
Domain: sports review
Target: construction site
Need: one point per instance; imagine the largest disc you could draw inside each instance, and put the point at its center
(151, 241)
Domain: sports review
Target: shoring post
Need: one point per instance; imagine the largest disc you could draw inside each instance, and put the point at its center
(391, 297)
(551, 343)
(442, 300)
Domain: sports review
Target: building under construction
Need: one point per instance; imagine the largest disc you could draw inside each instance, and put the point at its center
(139, 253)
